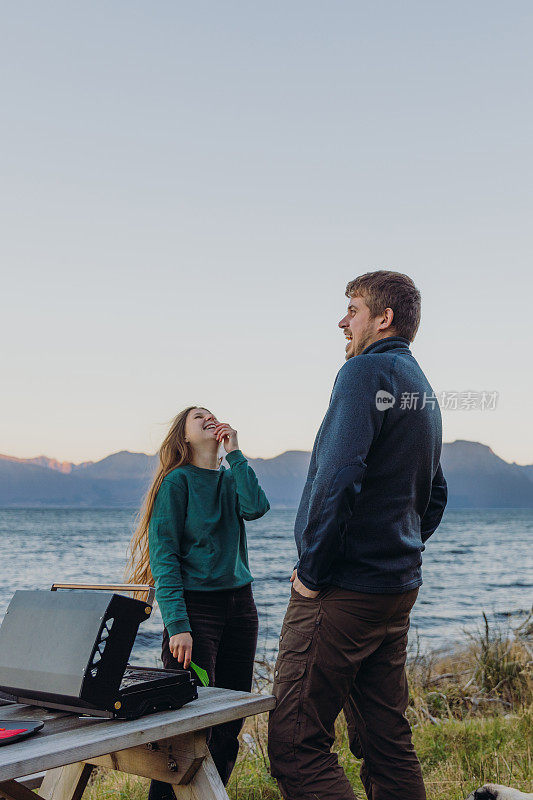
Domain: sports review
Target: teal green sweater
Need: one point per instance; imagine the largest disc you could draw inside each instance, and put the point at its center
(197, 538)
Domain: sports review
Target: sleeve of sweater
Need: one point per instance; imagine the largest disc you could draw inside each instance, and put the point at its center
(437, 504)
(166, 526)
(252, 500)
(351, 424)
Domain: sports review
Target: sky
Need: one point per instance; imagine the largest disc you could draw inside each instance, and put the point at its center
(188, 187)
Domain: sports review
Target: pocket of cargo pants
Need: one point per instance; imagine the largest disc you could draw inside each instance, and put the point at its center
(293, 644)
(289, 673)
(287, 690)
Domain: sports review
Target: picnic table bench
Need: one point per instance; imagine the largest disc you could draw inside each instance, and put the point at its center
(168, 746)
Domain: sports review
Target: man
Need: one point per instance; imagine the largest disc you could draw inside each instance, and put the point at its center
(374, 494)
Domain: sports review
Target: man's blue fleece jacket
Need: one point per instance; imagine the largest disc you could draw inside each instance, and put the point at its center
(375, 491)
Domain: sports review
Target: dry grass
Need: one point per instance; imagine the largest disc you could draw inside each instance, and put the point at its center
(491, 674)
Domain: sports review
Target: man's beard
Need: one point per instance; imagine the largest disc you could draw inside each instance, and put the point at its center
(367, 337)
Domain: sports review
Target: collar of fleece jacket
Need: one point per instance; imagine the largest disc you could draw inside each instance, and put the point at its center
(389, 343)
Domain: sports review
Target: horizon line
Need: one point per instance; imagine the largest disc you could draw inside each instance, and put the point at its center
(60, 462)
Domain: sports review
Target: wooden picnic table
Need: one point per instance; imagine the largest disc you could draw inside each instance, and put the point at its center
(168, 746)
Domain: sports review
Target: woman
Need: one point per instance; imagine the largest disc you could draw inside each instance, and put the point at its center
(191, 542)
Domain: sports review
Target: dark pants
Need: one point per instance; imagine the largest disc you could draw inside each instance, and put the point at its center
(343, 650)
(224, 638)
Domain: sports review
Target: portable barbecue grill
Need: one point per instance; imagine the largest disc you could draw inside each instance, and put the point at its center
(69, 650)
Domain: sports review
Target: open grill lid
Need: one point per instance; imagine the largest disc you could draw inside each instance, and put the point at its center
(69, 646)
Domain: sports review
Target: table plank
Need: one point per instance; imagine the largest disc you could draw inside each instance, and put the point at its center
(95, 737)
(55, 721)
(23, 711)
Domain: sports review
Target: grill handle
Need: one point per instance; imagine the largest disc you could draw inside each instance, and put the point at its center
(120, 587)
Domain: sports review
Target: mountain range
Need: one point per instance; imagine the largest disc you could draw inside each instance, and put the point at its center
(477, 478)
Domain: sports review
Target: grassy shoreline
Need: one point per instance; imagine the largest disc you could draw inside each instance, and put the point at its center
(471, 713)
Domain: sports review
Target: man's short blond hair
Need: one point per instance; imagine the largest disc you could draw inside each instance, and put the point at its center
(386, 289)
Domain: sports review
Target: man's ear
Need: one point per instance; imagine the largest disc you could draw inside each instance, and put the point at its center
(389, 317)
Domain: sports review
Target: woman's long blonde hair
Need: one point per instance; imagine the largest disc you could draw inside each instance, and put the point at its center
(174, 452)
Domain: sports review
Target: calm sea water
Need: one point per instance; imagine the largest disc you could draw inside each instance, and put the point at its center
(477, 560)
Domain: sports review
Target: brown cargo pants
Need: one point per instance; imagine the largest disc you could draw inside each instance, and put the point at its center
(343, 650)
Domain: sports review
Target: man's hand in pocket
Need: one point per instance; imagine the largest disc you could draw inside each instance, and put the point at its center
(300, 588)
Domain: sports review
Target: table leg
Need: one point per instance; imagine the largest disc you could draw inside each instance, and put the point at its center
(65, 783)
(204, 785)
(13, 790)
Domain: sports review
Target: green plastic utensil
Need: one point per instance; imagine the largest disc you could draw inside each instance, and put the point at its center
(203, 677)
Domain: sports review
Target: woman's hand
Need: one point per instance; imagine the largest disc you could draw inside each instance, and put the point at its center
(180, 645)
(226, 434)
